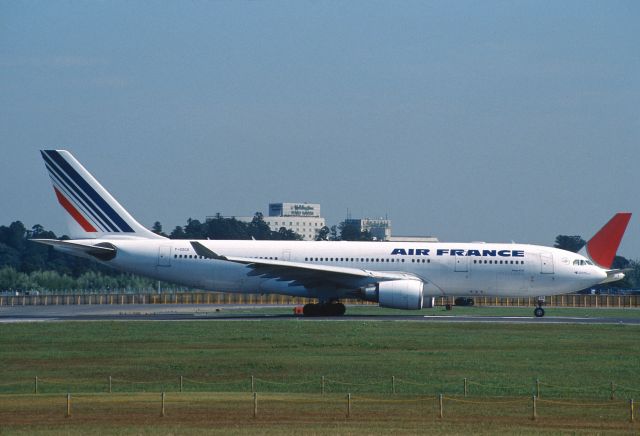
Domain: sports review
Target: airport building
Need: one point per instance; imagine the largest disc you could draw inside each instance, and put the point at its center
(305, 219)
(302, 218)
(379, 228)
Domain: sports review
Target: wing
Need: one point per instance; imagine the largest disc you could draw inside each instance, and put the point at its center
(307, 274)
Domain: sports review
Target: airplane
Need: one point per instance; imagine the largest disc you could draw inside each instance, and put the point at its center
(400, 275)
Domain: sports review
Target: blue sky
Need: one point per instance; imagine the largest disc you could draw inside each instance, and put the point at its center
(468, 120)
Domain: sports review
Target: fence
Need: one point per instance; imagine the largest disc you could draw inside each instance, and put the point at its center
(323, 385)
(467, 397)
(571, 300)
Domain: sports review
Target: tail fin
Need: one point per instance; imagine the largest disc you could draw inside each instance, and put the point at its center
(602, 247)
(92, 211)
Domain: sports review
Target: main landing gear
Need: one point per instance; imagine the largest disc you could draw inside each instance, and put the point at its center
(539, 311)
(323, 309)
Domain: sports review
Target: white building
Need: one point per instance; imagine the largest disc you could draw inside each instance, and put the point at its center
(302, 218)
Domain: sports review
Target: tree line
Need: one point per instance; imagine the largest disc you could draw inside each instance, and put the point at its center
(220, 227)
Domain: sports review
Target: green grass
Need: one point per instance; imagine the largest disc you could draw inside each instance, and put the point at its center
(288, 357)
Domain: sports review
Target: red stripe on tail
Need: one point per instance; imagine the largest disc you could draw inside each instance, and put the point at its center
(604, 244)
(86, 225)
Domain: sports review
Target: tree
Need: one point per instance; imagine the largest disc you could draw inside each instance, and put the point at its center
(351, 232)
(178, 233)
(226, 228)
(157, 229)
(259, 229)
(323, 234)
(14, 235)
(284, 234)
(569, 243)
(632, 274)
(620, 262)
(194, 230)
(334, 233)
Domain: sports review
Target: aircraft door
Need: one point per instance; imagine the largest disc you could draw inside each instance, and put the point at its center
(164, 255)
(546, 263)
(462, 263)
(286, 255)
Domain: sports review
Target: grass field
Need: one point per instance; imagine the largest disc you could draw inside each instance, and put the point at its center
(574, 363)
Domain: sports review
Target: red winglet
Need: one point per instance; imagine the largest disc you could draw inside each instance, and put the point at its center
(603, 245)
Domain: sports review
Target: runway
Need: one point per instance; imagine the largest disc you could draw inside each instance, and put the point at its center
(183, 312)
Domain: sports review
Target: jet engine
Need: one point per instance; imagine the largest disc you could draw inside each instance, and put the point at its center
(397, 294)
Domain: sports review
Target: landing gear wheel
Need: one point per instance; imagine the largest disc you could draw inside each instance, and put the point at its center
(539, 312)
(310, 310)
(337, 309)
(328, 309)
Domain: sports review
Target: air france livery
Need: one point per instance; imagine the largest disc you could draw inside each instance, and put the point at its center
(397, 275)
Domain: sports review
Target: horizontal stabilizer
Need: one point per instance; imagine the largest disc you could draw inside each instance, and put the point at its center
(614, 275)
(101, 251)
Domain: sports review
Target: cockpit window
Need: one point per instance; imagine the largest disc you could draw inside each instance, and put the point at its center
(582, 262)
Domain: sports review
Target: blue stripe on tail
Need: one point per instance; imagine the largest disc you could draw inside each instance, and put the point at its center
(80, 200)
(88, 191)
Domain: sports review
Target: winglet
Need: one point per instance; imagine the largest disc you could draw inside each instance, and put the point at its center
(203, 251)
(602, 247)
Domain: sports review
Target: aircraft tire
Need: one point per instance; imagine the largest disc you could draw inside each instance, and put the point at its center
(338, 309)
(310, 310)
(538, 312)
(333, 309)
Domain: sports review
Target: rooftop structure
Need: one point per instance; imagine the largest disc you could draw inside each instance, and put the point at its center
(379, 228)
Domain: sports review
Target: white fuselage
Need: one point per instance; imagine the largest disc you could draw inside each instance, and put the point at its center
(447, 269)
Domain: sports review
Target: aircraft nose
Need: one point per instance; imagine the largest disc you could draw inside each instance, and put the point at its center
(601, 274)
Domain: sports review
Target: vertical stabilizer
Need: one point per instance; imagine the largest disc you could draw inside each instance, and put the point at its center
(92, 211)
(602, 247)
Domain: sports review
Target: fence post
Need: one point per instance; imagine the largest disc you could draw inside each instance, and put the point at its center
(180, 383)
(109, 384)
(631, 409)
(465, 387)
(613, 391)
(255, 404)
(393, 384)
(162, 410)
(253, 384)
(35, 385)
(322, 385)
(68, 415)
(348, 405)
(440, 407)
(534, 413)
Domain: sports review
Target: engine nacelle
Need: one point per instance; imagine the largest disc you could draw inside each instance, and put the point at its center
(401, 294)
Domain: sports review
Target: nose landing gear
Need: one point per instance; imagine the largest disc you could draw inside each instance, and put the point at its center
(539, 311)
